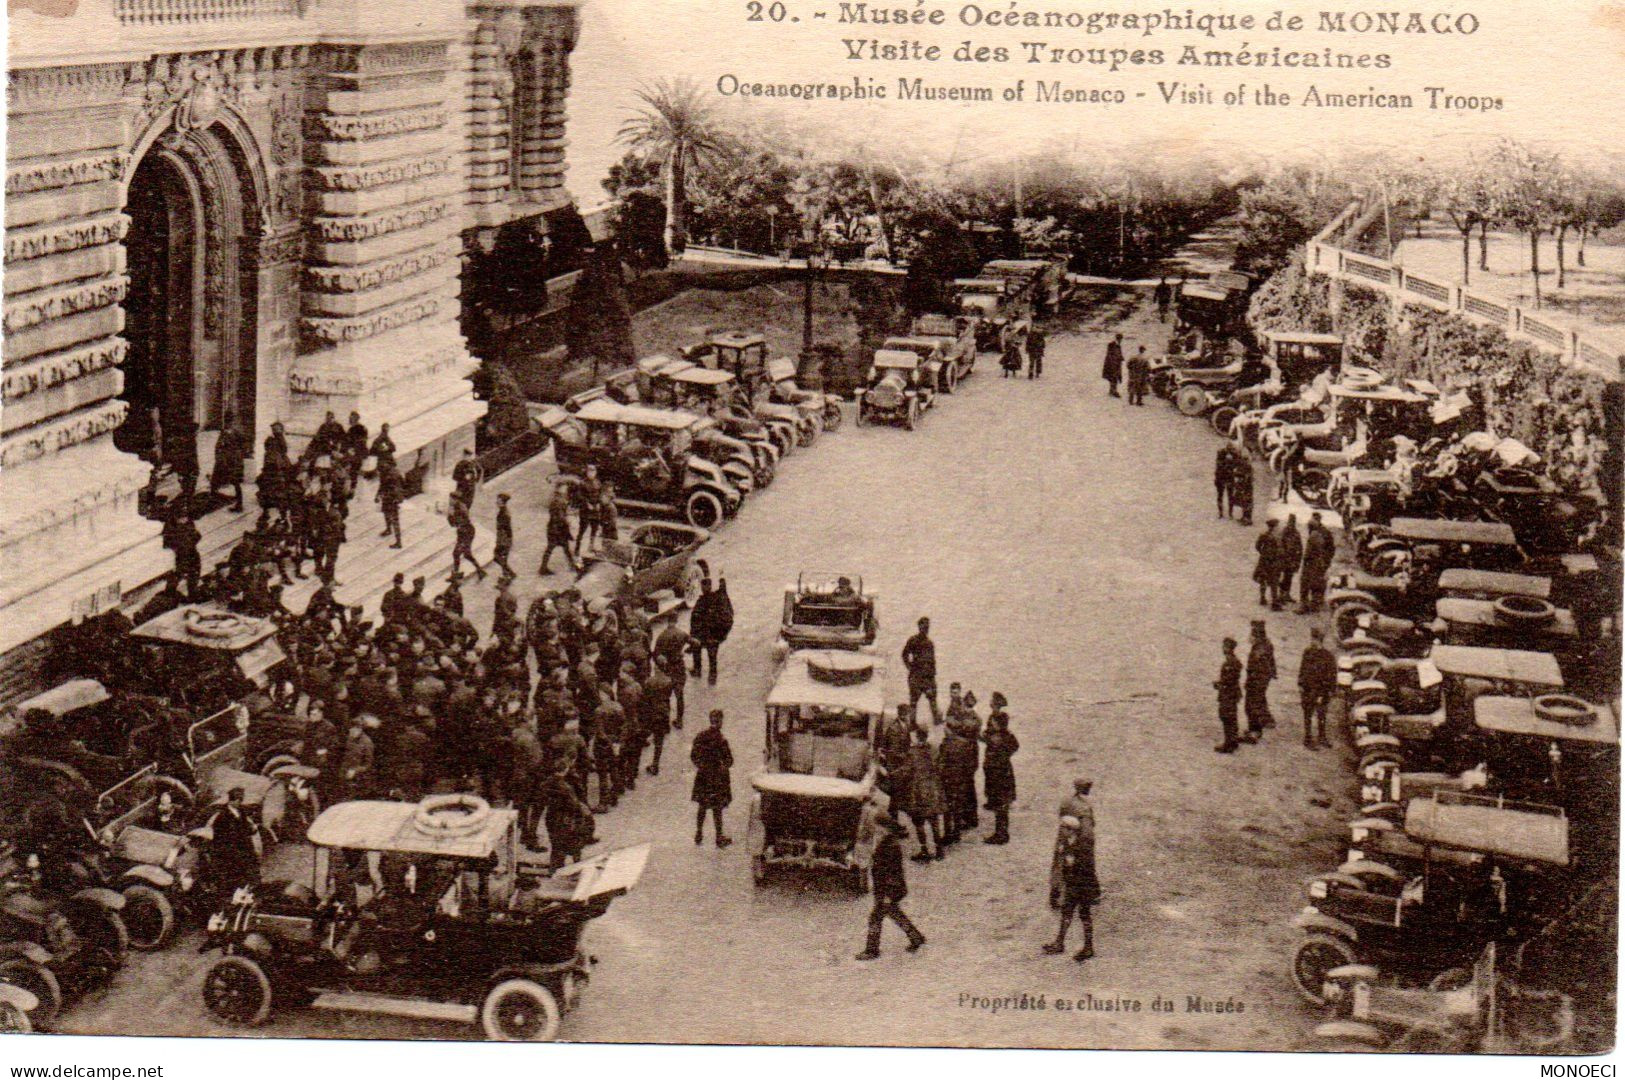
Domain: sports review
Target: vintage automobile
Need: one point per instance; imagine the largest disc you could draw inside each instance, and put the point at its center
(1196, 390)
(460, 923)
(1463, 1010)
(1419, 711)
(59, 748)
(648, 455)
(1545, 744)
(1297, 360)
(1000, 316)
(820, 614)
(934, 361)
(816, 800)
(781, 373)
(898, 389)
(1041, 281)
(958, 336)
(716, 394)
(1441, 917)
(742, 447)
(654, 567)
(55, 945)
(744, 354)
(1211, 307)
(1442, 544)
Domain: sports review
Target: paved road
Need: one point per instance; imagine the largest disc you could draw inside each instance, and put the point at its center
(1065, 547)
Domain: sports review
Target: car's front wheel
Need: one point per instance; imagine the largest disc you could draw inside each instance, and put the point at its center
(237, 991)
(148, 917)
(520, 1010)
(702, 509)
(38, 980)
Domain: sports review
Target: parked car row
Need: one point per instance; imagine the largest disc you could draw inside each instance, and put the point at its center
(1477, 687)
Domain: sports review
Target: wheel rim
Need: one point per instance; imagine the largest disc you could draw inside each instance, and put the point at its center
(232, 993)
(1309, 967)
(521, 1017)
(704, 512)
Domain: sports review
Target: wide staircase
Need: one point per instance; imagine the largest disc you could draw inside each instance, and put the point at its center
(367, 563)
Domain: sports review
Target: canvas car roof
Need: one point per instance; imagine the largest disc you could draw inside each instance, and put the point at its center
(661, 364)
(1454, 532)
(375, 825)
(71, 696)
(796, 686)
(1535, 834)
(1514, 665)
(1496, 581)
(1204, 292)
(1378, 393)
(604, 411)
(896, 358)
(700, 376)
(807, 786)
(908, 341)
(1303, 337)
(171, 627)
(1517, 716)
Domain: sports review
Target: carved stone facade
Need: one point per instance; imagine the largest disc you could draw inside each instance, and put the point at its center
(320, 171)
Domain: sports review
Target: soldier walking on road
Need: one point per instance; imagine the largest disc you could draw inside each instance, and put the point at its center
(713, 760)
(1228, 684)
(1317, 678)
(890, 887)
(1037, 342)
(504, 537)
(1075, 866)
(1223, 468)
(1163, 295)
(1112, 369)
(558, 527)
(463, 546)
(920, 659)
(1241, 487)
(1260, 673)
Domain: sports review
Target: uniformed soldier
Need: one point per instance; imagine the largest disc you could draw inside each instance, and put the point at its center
(890, 888)
(1080, 888)
(1228, 685)
(1260, 673)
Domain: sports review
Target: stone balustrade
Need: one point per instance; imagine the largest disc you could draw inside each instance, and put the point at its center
(194, 12)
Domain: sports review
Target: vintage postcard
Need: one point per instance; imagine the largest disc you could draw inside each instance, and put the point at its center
(962, 523)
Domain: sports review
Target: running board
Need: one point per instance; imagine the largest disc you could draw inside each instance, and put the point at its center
(414, 1008)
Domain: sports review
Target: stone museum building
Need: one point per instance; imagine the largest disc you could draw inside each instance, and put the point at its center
(255, 210)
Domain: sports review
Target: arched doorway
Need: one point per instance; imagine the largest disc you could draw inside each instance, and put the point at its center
(190, 314)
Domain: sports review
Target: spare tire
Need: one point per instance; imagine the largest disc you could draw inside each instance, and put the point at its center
(1223, 418)
(458, 814)
(1565, 709)
(1524, 610)
(838, 668)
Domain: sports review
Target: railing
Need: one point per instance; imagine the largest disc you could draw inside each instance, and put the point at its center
(1597, 350)
(191, 12)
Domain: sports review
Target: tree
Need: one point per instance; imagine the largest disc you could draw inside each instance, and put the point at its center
(640, 222)
(943, 255)
(634, 172)
(599, 325)
(676, 126)
(1531, 186)
(1467, 196)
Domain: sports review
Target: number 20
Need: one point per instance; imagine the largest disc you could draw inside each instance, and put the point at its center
(759, 12)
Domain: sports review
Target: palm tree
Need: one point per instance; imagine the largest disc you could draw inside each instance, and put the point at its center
(675, 126)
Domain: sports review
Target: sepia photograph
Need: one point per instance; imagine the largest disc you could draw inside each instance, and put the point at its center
(812, 524)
